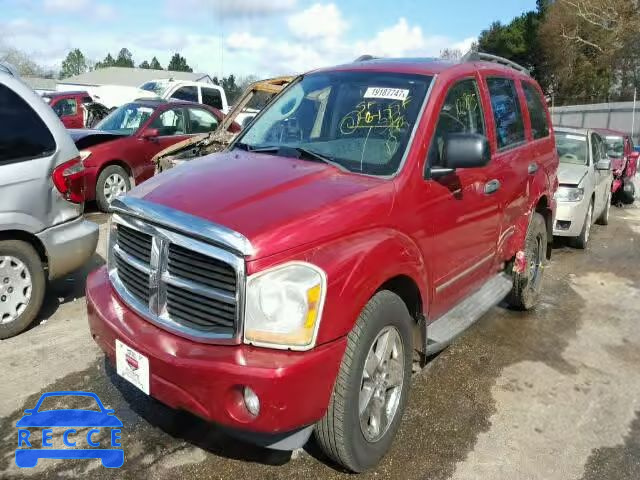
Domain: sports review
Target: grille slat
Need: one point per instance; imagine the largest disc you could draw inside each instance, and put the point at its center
(136, 244)
(198, 291)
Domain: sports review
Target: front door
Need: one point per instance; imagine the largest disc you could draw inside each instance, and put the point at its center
(463, 209)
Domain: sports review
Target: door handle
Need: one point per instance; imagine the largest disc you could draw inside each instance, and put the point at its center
(533, 168)
(491, 187)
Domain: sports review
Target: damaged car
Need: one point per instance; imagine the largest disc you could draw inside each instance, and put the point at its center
(117, 153)
(76, 109)
(255, 98)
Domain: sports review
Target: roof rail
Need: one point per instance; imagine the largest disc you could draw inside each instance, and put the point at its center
(8, 68)
(473, 56)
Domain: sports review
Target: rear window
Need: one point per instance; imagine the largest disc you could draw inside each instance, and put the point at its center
(506, 112)
(537, 112)
(211, 97)
(23, 134)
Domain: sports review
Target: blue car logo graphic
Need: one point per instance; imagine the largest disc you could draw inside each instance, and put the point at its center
(69, 420)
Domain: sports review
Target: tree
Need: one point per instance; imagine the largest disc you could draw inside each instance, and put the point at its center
(179, 64)
(155, 64)
(20, 61)
(125, 59)
(144, 65)
(232, 90)
(108, 61)
(74, 64)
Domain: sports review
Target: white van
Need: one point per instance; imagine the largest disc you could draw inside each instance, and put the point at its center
(198, 92)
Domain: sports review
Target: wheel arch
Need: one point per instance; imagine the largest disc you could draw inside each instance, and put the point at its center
(543, 207)
(29, 238)
(119, 163)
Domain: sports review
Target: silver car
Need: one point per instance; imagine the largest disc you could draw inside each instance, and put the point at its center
(43, 234)
(585, 180)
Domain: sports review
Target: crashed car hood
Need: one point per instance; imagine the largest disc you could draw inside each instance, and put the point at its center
(570, 174)
(276, 202)
(85, 137)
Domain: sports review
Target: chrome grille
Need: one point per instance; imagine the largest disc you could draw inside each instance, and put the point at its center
(181, 283)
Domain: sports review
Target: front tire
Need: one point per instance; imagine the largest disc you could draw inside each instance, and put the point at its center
(603, 219)
(372, 387)
(112, 183)
(22, 286)
(527, 285)
(582, 241)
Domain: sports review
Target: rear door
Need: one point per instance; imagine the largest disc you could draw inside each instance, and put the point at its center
(512, 155)
(601, 177)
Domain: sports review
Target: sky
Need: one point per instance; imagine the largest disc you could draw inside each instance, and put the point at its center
(244, 37)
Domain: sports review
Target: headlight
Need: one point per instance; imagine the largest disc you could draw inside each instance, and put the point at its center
(569, 194)
(284, 306)
(84, 154)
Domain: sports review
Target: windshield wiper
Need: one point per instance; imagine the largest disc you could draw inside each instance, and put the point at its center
(303, 153)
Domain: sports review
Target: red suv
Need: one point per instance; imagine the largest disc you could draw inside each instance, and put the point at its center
(69, 107)
(367, 216)
(120, 148)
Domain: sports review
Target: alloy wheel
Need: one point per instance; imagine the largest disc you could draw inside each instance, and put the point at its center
(15, 288)
(114, 186)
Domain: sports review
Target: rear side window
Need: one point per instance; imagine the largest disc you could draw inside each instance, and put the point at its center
(506, 112)
(461, 113)
(23, 134)
(65, 107)
(537, 112)
(211, 97)
(202, 121)
(188, 94)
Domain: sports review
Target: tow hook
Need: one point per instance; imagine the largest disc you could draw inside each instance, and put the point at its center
(520, 264)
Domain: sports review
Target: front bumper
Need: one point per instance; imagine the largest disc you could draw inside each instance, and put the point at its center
(573, 212)
(294, 388)
(69, 245)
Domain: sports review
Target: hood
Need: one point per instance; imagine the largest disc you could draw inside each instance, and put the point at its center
(570, 174)
(85, 138)
(276, 202)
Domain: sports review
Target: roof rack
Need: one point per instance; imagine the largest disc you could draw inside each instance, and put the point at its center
(474, 56)
(365, 58)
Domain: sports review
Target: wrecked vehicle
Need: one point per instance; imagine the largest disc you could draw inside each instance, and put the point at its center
(370, 214)
(117, 153)
(624, 163)
(585, 178)
(256, 95)
(76, 109)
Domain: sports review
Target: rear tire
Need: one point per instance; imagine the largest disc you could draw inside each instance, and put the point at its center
(16, 255)
(349, 433)
(528, 284)
(112, 182)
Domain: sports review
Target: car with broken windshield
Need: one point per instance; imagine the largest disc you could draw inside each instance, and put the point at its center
(365, 218)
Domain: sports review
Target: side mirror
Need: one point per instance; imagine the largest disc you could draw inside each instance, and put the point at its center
(604, 164)
(463, 150)
(150, 133)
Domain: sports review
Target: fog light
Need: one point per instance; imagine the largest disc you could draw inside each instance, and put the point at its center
(251, 401)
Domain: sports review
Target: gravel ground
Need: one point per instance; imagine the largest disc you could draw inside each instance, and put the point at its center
(553, 394)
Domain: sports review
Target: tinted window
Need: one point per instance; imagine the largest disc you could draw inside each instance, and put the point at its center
(506, 112)
(23, 134)
(188, 94)
(87, 100)
(170, 122)
(537, 112)
(202, 121)
(461, 113)
(65, 107)
(211, 97)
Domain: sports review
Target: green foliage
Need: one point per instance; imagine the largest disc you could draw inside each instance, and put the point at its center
(145, 65)
(155, 64)
(108, 61)
(74, 64)
(179, 64)
(125, 59)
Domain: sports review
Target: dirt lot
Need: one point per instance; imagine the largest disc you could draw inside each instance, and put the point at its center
(554, 394)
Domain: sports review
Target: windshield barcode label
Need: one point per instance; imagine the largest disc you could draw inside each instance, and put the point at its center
(387, 93)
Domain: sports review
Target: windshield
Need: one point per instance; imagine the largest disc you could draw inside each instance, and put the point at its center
(615, 146)
(126, 119)
(361, 121)
(156, 87)
(572, 148)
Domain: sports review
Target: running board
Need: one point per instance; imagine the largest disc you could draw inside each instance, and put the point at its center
(444, 330)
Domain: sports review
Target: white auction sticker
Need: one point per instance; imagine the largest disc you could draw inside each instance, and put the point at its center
(387, 93)
(580, 138)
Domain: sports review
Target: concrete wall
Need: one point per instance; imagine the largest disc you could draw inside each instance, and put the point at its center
(616, 116)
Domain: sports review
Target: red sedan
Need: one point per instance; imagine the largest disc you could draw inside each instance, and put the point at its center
(118, 152)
